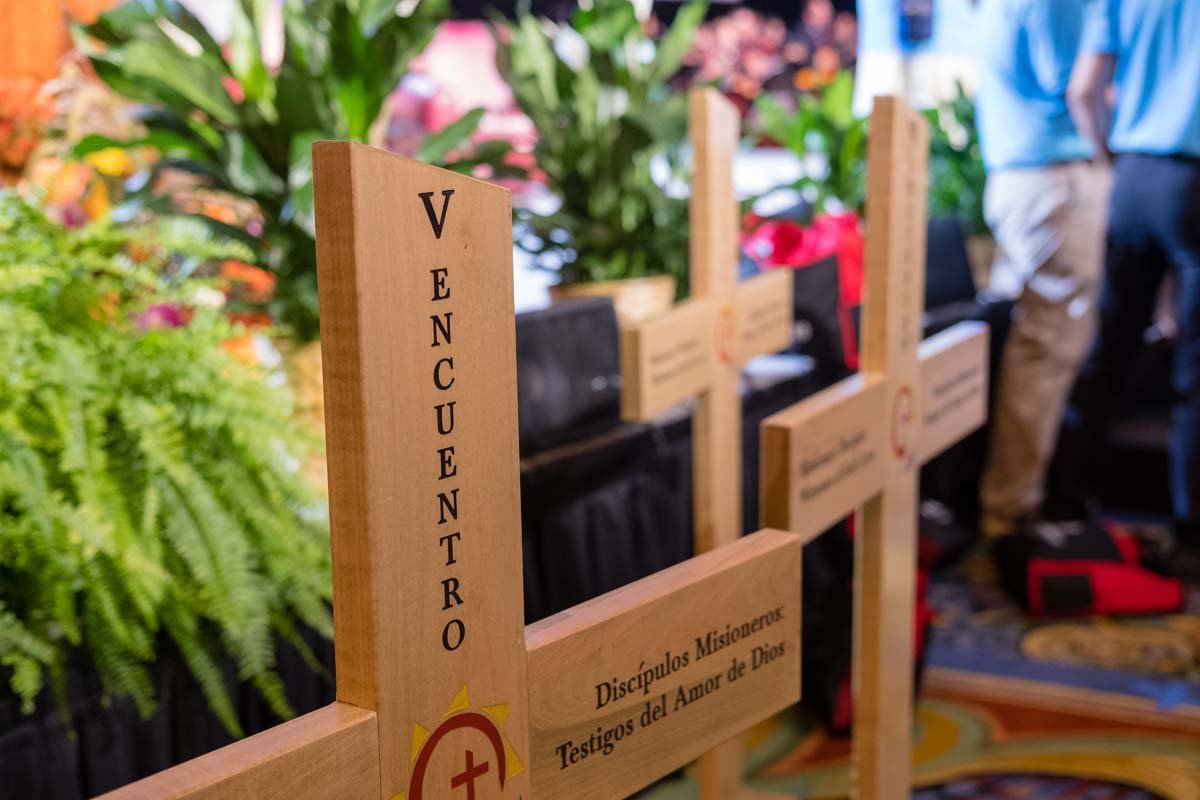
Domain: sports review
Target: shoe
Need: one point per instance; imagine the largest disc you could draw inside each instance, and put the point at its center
(1175, 553)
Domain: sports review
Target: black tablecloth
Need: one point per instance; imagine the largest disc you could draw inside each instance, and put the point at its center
(596, 514)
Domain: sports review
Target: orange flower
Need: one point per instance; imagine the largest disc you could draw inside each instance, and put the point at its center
(251, 319)
(241, 348)
(23, 111)
(259, 284)
(106, 307)
(137, 252)
(221, 213)
(806, 79)
(69, 184)
(97, 203)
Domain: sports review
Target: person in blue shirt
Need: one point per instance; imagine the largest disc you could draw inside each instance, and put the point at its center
(1045, 204)
(1146, 53)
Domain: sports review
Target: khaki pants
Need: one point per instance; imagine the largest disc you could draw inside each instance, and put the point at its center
(1048, 223)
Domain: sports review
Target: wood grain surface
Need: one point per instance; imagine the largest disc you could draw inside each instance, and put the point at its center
(416, 291)
(625, 688)
(329, 754)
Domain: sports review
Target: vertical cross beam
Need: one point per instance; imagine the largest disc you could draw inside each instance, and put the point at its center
(861, 440)
(885, 561)
(695, 350)
(717, 418)
(415, 277)
(717, 421)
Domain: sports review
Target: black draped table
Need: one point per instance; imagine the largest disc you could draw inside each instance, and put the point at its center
(597, 513)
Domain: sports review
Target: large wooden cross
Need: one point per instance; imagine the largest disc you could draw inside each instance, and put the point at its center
(442, 692)
(695, 351)
(862, 440)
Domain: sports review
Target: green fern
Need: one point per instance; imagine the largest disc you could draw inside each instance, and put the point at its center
(150, 493)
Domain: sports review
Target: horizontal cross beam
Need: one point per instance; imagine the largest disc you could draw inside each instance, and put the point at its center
(671, 358)
(618, 699)
(332, 753)
(663, 669)
(825, 456)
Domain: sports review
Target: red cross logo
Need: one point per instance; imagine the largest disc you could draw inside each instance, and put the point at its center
(466, 720)
(468, 776)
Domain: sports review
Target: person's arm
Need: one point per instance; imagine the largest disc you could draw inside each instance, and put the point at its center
(1087, 100)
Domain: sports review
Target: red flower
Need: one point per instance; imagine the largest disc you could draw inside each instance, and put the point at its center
(786, 244)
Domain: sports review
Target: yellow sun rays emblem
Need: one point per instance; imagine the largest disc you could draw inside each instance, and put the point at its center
(488, 720)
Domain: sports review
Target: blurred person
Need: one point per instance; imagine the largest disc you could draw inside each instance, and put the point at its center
(1148, 51)
(1045, 203)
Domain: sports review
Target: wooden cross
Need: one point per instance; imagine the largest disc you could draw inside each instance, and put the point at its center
(862, 440)
(695, 351)
(442, 692)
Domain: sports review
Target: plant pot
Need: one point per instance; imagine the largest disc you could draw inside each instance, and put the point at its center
(634, 299)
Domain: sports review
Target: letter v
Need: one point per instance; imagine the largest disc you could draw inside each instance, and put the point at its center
(435, 221)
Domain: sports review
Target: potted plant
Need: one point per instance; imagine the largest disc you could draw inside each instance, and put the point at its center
(825, 126)
(241, 117)
(611, 146)
(151, 491)
(957, 177)
(823, 132)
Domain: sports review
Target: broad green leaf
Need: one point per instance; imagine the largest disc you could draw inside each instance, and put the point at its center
(534, 57)
(302, 104)
(607, 25)
(114, 25)
(352, 101)
(435, 147)
(192, 79)
(186, 21)
(678, 40)
(587, 99)
(838, 99)
(248, 173)
(372, 14)
(169, 143)
(110, 69)
(299, 207)
(245, 55)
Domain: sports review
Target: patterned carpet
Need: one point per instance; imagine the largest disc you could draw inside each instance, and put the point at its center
(978, 631)
(974, 750)
(1086, 708)
(1004, 787)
